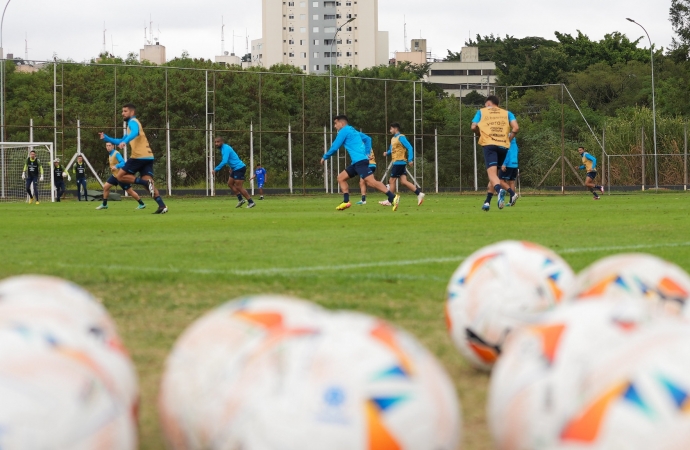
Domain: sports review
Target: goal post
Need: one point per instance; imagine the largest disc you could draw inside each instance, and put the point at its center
(13, 157)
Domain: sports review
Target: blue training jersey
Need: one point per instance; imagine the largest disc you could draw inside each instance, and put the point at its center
(260, 174)
(511, 161)
(352, 140)
(230, 159)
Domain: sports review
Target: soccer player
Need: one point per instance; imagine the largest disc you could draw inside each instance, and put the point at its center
(238, 169)
(260, 175)
(141, 159)
(33, 173)
(589, 163)
(80, 173)
(509, 171)
(402, 153)
(496, 128)
(59, 174)
(352, 140)
(372, 166)
(117, 162)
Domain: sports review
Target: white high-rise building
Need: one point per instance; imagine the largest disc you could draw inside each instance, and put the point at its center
(300, 33)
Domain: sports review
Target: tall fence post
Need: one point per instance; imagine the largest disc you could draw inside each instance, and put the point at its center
(325, 163)
(685, 157)
(476, 182)
(436, 156)
(211, 162)
(290, 157)
(31, 131)
(167, 158)
(251, 152)
(644, 162)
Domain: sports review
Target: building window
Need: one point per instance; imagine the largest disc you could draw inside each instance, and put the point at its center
(291, 42)
(316, 54)
(474, 72)
(290, 3)
(329, 17)
(329, 30)
(301, 42)
(302, 17)
(488, 72)
(348, 54)
(355, 53)
(302, 4)
(291, 55)
(315, 29)
(304, 67)
(316, 42)
(315, 17)
(284, 54)
(303, 55)
(326, 67)
(349, 16)
(329, 4)
(291, 16)
(348, 3)
(302, 30)
(348, 29)
(291, 29)
(315, 4)
(316, 67)
(348, 41)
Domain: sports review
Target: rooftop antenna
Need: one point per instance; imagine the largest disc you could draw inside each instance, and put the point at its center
(112, 46)
(246, 50)
(105, 50)
(222, 37)
(405, 33)
(145, 34)
(150, 29)
(26, 47)
(159, 34)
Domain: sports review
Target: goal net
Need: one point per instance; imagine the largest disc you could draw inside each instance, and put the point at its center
(13, 156)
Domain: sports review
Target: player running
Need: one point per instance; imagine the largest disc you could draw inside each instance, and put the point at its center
(589, 163)
(352, 140)
(401, 153)
(496, 128)
(238, 169)
(80, 173)
(59, 174)
(260, 175)
(117, 162)
(366, 139)
(508, 174)
(141, 159)
(33, 173)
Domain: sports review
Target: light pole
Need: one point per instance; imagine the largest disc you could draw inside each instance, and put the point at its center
(330, 72)
(2, 77)
(651, 53)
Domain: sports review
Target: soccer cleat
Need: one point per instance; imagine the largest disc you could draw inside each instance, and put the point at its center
(501, 198)
(240, 203)
(396, 202)
(31, 200)
(141, 206)
(251, 205)
(161, 210)
(361, 202)
(385, 203)
(343, 206)
(420, 198)
(102, 207)
(261, 198)
(601, 188)
(37, 202)
(596, 197)
(513, 200)
(151, 189)
(486, 206)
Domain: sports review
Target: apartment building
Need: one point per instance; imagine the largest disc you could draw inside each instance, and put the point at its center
(459, 78)
(301, 33)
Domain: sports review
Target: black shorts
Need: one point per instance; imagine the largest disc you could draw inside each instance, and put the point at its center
(60, 184)
(510, 174)
(592, 175)
(360, 168)
(494, 155)
(142, 166)
(113, 181)
(398, 170)
(239, 174)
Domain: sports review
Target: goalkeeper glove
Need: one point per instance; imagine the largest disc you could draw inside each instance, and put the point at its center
(23, 175)
(41, 179)
(68, 177)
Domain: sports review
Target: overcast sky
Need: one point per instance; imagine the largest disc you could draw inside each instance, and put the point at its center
(74, 28)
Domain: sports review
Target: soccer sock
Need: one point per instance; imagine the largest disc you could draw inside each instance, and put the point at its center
(346, 197)
(239, 197)
(251, 200)
(417, 191)
(364, 198)
(105, 202)
(511, 192)
(159, 200)
(489, 196)
(138, 180)
(497, 188)
(391, 196)
(141, 202)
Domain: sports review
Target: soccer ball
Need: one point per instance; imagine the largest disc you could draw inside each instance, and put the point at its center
(304, 379)
(593, 375)
(498, 288)
(664, 286)
(55, 396)
(76, 323)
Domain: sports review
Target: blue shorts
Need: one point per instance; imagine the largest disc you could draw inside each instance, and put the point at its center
(360, 168)
(592, 175)
(113, 181)
(239, 173)
(260, 183)
(510, 174)
(494, 155)
(142, 166)
(398, 170)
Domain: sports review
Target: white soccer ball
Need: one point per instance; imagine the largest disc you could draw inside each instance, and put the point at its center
(56, 396)
(593, 375)
(662, 285)
(311, 380)
(498, 288)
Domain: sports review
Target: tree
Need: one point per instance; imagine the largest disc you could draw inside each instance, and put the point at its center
(474, 98)
(679, 15)
(453, 56)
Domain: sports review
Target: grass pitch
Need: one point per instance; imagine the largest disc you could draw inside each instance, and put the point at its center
(156, 274)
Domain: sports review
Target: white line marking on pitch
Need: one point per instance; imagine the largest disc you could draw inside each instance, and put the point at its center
(345, 267)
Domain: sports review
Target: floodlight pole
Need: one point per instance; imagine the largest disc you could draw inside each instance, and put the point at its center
(330, 73)
(2, 77)
(651, 54)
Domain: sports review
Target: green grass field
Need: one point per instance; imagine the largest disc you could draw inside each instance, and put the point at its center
(156, 274)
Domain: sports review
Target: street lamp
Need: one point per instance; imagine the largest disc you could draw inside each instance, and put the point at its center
(330, 70)
(651, 52)
(2, 78)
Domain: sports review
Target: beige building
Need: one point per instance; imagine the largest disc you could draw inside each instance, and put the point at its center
(300, 33)
(153, 53)
(459, 78)
(418, 53)
(229, 58)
